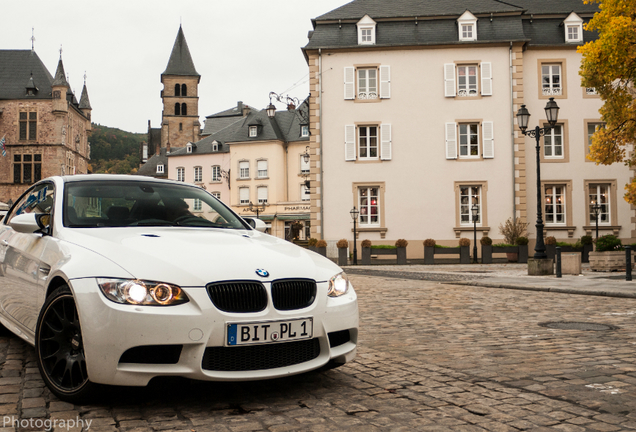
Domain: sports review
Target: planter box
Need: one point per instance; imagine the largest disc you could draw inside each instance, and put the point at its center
(462, 251)
(342, 256)
(571, 263)
(429, 254)
(550, 251)
(608, 261)
(366, 256)
(322, 251)
(487, 251)
(401, 255)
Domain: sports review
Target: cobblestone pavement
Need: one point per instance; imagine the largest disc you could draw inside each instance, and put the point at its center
(432, 356)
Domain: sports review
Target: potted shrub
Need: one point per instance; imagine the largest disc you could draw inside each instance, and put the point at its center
(486, 250)
(522, 244)
(321, 247)
(511, 230)
(550, 243)
(366, 252)
(429, 251)
(401, 245)
(343, 246)
(609, 254)
(588, 245)
(311, 244)
(464, 251)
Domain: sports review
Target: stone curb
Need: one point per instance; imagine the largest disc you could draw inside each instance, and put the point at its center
(552, 289)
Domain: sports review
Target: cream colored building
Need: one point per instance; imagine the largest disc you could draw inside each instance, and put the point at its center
(413, 121)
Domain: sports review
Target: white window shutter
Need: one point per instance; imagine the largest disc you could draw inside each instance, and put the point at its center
(451, 140)
(486, 79)
(350, 142)
(385, 82)
(488, 139)
(449, 80)
(349, 84)
(385, 142)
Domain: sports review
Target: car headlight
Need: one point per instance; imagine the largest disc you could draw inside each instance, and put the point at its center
(138, 292)
(338, 285)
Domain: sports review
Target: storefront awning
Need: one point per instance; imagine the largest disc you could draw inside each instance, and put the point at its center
(285, 217)
(266, 217)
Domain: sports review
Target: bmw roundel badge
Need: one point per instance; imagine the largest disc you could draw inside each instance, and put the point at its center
(262, 272)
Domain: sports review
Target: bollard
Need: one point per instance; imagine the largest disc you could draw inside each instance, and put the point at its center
(558, 261)
(628, 263)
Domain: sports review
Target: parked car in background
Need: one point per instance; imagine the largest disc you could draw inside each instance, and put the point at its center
(120, 279)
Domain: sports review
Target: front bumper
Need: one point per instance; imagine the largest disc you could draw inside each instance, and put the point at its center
(110, 329)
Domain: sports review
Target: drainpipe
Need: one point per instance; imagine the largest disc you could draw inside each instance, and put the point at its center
(322, 139)
(512, 137)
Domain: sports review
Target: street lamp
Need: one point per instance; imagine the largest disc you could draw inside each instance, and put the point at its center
(306, 156)
(596, 208)
(475, 211)
(292, 103)
(552, 113)
(256, 209)
(354, 215)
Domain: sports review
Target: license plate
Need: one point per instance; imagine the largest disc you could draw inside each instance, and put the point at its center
(269, 331)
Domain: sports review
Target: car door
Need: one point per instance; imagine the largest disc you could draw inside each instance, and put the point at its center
(23, 274)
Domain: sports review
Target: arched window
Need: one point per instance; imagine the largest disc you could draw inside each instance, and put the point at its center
(184, 109)
(177, 109)
(184, 90)
(177, 90)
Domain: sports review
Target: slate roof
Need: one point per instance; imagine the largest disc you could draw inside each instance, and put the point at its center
(84, 103)
(16, 69)
(180, 62)
(150, 167)
(498, 21)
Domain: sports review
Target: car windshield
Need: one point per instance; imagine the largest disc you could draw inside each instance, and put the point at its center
(94, 203)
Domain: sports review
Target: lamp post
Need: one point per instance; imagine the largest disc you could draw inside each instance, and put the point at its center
(552, 114)
(256, 209)
(475, 211)
(354, 215)
(596, 208)
(306, 157)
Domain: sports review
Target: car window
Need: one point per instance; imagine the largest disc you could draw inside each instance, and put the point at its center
(95, 204)
(37, 200)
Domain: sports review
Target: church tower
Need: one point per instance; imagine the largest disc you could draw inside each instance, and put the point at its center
(180, 95)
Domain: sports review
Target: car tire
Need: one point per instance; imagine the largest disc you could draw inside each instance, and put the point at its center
(59, 348)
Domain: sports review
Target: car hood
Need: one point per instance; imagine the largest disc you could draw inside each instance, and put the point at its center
(197, 256)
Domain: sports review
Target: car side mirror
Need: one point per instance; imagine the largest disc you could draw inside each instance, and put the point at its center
(30, 223)
(256, 223)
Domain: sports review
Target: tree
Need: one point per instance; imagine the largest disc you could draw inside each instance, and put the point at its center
(609, 66)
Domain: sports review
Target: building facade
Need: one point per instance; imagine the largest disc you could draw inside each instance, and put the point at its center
(413, 122)
(45, 128)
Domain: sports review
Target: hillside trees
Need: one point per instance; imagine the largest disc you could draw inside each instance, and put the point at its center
(609, 65)
(114, 151)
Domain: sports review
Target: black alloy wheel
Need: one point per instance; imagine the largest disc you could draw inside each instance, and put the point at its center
(60, 349)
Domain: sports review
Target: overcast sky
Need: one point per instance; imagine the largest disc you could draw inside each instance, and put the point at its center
(243, 49)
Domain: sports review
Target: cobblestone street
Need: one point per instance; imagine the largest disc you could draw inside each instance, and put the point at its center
(432, 356)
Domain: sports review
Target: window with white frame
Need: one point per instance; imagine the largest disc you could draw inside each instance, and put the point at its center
(467, 80)
(215, 146)
(551, 82)
(197, 205)
(304, 130)
(244, 196)
(467, 26)
(305, 193)
(367, 83)
(554, 196)
(189, 147)
(244, 169)
(600, 194)
(160, 168)
(573, 33)
(198, 174)
(304, 166)
(366, 31)
(216, 173)
(553, 143)
(369, 206)
(181, 174)
(573, 28)
(261, 193)
(253, 131)
(216, 194)
(469, 195)
(470, 140)
(261, 168)
(364, 143)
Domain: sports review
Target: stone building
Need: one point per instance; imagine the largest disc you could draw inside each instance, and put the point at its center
(45, 129)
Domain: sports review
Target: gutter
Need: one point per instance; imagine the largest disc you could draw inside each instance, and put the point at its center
(512, 136)
(322, 139)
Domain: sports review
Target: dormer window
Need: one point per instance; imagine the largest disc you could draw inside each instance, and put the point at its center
(190, 147)
(160, 169)
(304, 130)
(366, 31)
(255, 127)
(467, 25)
(215, 146)
(253, 131)
(573, 28)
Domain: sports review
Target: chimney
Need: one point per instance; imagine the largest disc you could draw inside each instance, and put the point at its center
(168, 147)
(246, 110)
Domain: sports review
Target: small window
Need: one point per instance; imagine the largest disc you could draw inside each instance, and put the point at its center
(467, 27)
(600, 194)
(197, 205)
(198, 174)
(189, 148)
(366, 31)
(469, 195)
(573, 28)
(244, 170)
(244, 196)
(253, 131)
(177, 90)
(554, 196)
(261, 169)
(181, 174)
(551, 80)
(467, 80)
(553, 143)
(160, 169)
(216, 195)
(184, 90)
(177, 109)
(467, 32)
(305, 193)
(368, 142)
(469, 140)
(304, 166)
(216, 173)
(367, 83)
(262, 194)
(215, 146)
(304, 130)
(369, 206)
(184, 109)
(28, 126)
